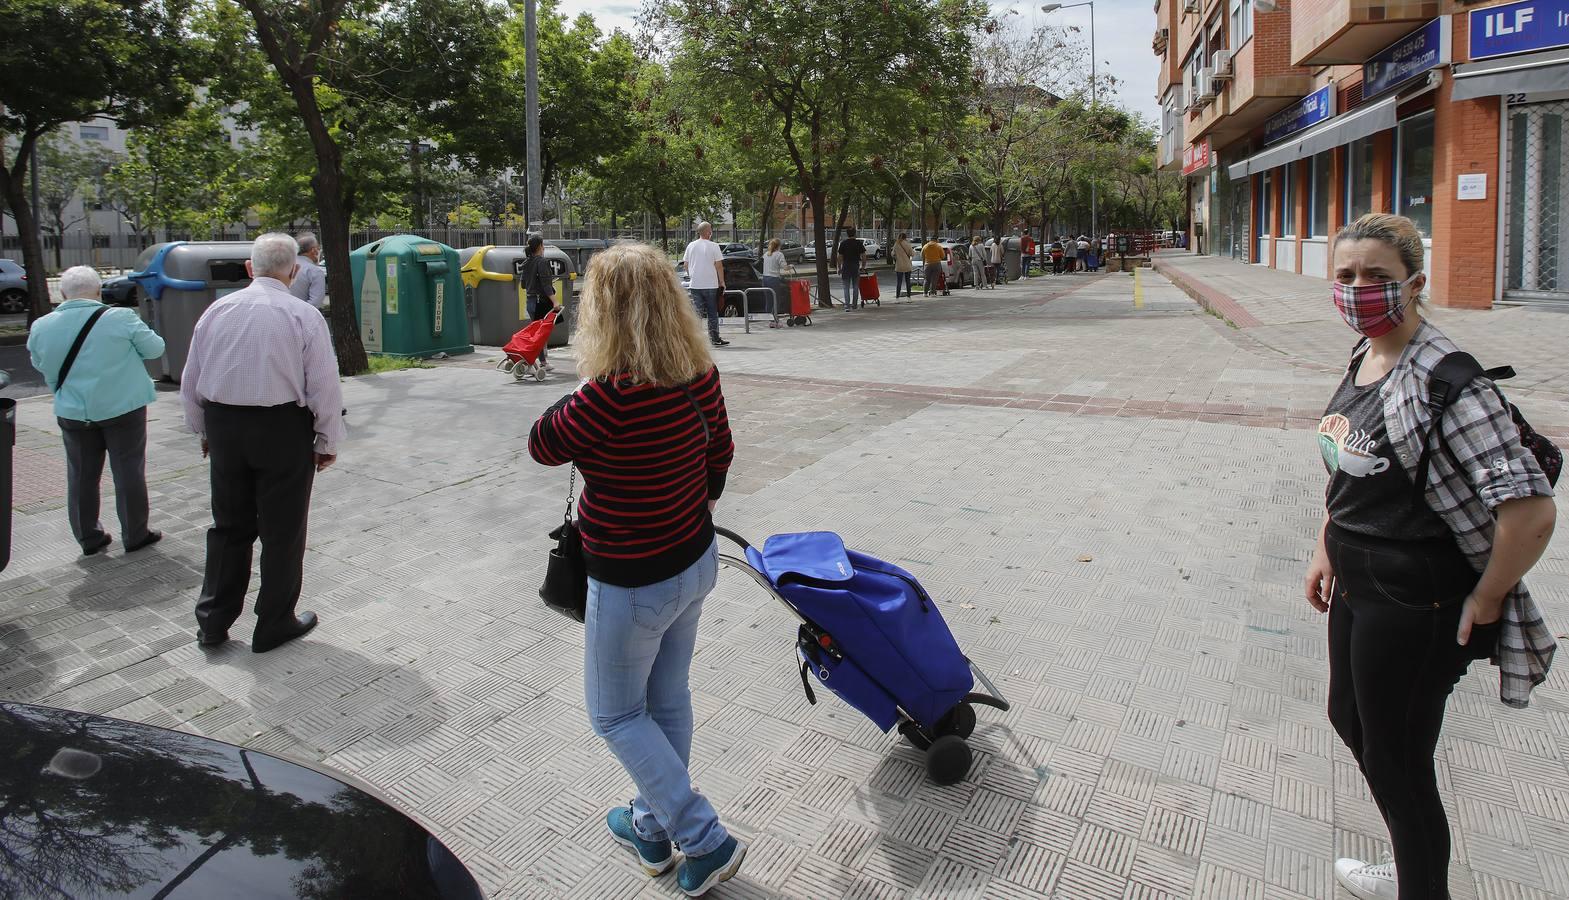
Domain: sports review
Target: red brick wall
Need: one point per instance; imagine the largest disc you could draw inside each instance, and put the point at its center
(1465, 234)
(1304, 181)
(1384, 171)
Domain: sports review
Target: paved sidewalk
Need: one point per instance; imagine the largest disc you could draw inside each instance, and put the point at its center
(1294, 316)
(1110, 493)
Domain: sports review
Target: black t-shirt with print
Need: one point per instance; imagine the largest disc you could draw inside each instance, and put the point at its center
(1369, 490)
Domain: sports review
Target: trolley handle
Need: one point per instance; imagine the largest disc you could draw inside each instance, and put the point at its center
(736, 538)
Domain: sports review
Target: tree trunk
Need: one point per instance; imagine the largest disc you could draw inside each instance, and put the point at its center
(332, 210)
(762, 225)
(817, 198)
(664, 227)
(13, 182)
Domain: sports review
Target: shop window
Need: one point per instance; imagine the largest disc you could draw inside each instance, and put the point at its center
(1414, 171)
(1359, 178)
(1318, 209)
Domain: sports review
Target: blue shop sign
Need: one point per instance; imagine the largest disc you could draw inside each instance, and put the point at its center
(1418, 52)
(1519, 28)
(1310, 110)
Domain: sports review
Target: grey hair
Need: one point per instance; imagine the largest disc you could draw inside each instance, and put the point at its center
(274, 254)
(307, 241)
(81, 283)
(701, 226)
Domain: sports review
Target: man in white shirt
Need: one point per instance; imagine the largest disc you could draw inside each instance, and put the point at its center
(261, 389)
(705, 265)
(310, 283)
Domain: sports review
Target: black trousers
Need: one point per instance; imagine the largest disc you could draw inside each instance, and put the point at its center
(262, 463)
(123, 439)
(1393, 662)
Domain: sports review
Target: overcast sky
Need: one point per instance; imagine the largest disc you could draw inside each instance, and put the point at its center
(1122, 39)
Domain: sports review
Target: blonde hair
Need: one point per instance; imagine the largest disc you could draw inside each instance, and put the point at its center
(1397, 232)
(773, 245)
(635, 320)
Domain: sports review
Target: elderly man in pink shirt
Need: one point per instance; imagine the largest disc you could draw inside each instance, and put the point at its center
(261, 389)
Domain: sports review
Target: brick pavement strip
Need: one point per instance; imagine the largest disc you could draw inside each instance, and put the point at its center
(1113, 505)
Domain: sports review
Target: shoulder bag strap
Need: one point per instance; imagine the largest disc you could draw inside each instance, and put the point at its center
(1448, 379)
(701, 417)
(81, 338)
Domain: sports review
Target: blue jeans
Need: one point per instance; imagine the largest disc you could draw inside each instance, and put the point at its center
(707, 302)
(852, 288)
(902, 280)
(639, 647)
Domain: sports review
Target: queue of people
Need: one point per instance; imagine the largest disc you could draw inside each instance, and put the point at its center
(1419, 568)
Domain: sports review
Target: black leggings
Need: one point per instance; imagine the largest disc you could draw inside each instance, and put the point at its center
(1393, 662)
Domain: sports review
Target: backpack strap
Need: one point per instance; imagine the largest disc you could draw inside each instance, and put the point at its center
(76, 347)
(1444, 385)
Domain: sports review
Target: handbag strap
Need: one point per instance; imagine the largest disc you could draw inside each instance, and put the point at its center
(701, 417)
(81, 338)
(571, 491)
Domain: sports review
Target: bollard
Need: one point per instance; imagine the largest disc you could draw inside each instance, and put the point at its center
(7, 443)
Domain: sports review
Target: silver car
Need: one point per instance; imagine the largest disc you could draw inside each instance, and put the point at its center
(13, 287)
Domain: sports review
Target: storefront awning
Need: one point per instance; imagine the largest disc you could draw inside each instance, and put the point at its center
(1537, 73)
(1342, 129)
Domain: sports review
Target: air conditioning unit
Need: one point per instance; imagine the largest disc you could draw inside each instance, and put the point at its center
(1207, 90)
(1221, 64)
(1190, 6)
(1162, 36)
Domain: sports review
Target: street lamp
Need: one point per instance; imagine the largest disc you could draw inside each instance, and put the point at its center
(1094, 193)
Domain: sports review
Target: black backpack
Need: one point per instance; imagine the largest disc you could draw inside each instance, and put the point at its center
(1449, 378)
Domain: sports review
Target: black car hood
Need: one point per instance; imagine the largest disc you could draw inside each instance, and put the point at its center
(94, 807)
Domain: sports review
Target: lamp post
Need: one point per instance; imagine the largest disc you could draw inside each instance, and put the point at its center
(1094, 91)
(534, 205)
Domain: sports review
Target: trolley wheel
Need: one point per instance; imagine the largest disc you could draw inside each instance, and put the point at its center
(912, 733)
(518, 373)
(958, 721)
(539, 372)
(948, 759)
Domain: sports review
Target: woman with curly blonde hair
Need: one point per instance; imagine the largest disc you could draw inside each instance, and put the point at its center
(648, 430)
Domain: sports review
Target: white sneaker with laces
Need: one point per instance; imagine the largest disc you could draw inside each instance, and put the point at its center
(1366, 881)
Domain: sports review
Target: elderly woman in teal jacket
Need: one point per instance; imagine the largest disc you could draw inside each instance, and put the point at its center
(100, 402)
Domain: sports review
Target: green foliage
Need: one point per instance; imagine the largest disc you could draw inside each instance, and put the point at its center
(185, 176)
(380, 363)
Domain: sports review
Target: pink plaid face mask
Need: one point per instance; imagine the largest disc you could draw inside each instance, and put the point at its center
(1372, 309)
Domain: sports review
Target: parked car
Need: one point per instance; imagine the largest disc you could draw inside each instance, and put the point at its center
(100, 807)
(13, 287)
(956, 264)
(792, 250)
(874, 249)
(120, 291)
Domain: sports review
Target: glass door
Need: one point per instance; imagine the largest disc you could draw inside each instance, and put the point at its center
(1537, 235)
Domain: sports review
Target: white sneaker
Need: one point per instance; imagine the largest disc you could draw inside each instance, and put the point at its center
(549, 367)
(1366, 881)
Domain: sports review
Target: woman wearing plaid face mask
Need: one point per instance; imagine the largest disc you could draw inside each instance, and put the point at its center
(1417, 585)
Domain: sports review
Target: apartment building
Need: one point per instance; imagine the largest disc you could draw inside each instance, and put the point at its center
(1292, 117)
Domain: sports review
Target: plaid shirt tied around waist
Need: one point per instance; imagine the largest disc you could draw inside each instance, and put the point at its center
(1479, 465)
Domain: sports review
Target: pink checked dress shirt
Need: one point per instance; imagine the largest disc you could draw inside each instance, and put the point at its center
(260, 346)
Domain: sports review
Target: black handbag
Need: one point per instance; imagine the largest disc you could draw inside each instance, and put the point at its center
(566, 575)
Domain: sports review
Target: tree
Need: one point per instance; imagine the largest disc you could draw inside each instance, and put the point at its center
(666, 171)
(186, 176)
(68, 171)
(356, 66)
(827, 78)
(73, 60)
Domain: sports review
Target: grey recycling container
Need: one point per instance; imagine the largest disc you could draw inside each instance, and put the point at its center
(493, 292)
(176, 282)
(1012, 258)
(580, 251)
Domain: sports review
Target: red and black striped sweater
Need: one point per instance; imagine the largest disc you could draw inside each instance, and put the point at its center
(648, 473)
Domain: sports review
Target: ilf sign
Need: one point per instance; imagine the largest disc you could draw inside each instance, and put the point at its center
(1519, 28)
(1421, 50)
(1310, 110)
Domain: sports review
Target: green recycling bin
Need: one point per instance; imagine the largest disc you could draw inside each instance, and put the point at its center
(409, 297)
